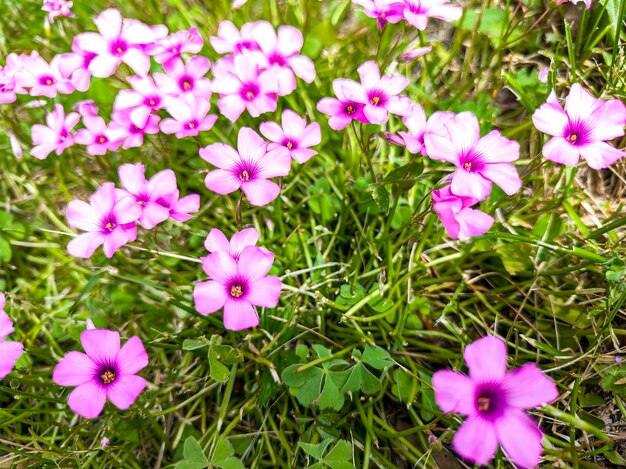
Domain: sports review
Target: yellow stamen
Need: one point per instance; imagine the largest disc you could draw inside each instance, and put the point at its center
(236, 291)
(108, 377)
(483, 403)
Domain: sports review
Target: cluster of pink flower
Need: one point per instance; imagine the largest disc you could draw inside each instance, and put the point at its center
(414, 12)
(111, 216)
(57, 8)
(10, 352)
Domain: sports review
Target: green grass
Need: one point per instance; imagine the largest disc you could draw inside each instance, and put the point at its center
(358, 270)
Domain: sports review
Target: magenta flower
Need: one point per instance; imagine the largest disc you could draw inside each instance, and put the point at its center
(343, 110)
(42, 78)
(238, 287)
(479, 161)
(10, 352)
(109, 219)
(459, 220)
(8, 85)
(186, 79)
(217, 242)
(418, 127)
(582, 128)
(56, 136)
(494, 402)
(294, 135)
(104, 371)
(189, 119)
(168, 50)
(282, 52)
(179, 209)
(119, 40)
(76, 66)
(99, 137)
(142, 100)
(586, 2)
(379, 95)
(134, 134)
(57, 8)
(248, 169)
(243, 87)
(230, 40)
(147, 192)
(417, 12)
(383, 11)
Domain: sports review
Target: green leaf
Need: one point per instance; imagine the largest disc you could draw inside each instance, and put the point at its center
(194, 344)
(192, 452)
(405, 386)
(315, 451)
(224, 456)
(405, 176)
(5, 251)
(381, 197)
(340, 456)
(221, 357)
(361, 379)
(376, 357)
(331, 396)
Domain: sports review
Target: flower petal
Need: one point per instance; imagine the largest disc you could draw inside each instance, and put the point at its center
(132, 357)
(75, 368)
(101, 345)
(216, 241)
(486, 359)
(520, 438)
(88, 399)
(265, 291)
(10, 353)
(123, 392)
(454, 392)
(254, 262)
(260, 191)
(239, 315)
(209, 297)
(476, 441)
(242, 239)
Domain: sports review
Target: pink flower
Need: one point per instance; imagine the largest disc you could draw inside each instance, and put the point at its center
(494, 402)
(479, 161)
(168, 51)
(217, 242)
(179, 209)
(134, 134)
(147, 192)
(10, 352)
(379, 95)
(42, 78)
(243, 87)
(8, 85)
(105, 442)
(248, 169)
(16, 148)
(295, 135)
(230, 40)
(582, 128)
(109, 219)
(586, 2)
(57, 8)
(76, 65)
(99, 137)
(104, 371)
(120, 40)
(459, 220)
(342, 111)
(142, 100)
(417, 12)
(86, 108)
(238, 287)
(418, 127)
(56, 136)
(384, 11)
(542, 75)
(186, 79)
(188, 119)
(411, 55)
(282, 52)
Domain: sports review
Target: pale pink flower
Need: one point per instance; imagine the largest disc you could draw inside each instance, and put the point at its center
(243, 87)
(109, 220)
(86, 108)
(10, 352)
(180, 208)
(147, 192)
(57, 8)
(343, 110)
(186, 79)
(76, 64)
(479, 161)
(383, 11)
(282, 52)
(238, 4)
(134, 135)
(248, 169)
(495, 403)
(104, 371)
(169, 50)
(56, 136)
(230, 40)
(542, 76)
(586, 2)
(411, 55)
(98, 137)
(459, 220)
(418, 127)
(217, 242)
(582, 128)
(105, 442)
(119, 40)
(142, 100)
(9, 88)
(16, 148)
(417, 12)
(379, 95)
(188, 119)
(238, 286)
(294, 135)
(42, 78)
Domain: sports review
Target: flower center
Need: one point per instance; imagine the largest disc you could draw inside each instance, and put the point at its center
(110, 226)
(350, 109)
(289, 145)
(107, 376)
(468, 166)
(490, 401)
(249, 92)
(236, 290)
(245, 175)
(471, 162)
(118, 47)
(46, 80)
(186, 85)
(277, 59)
(375, 100)
(482, 403)
(101, 139)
